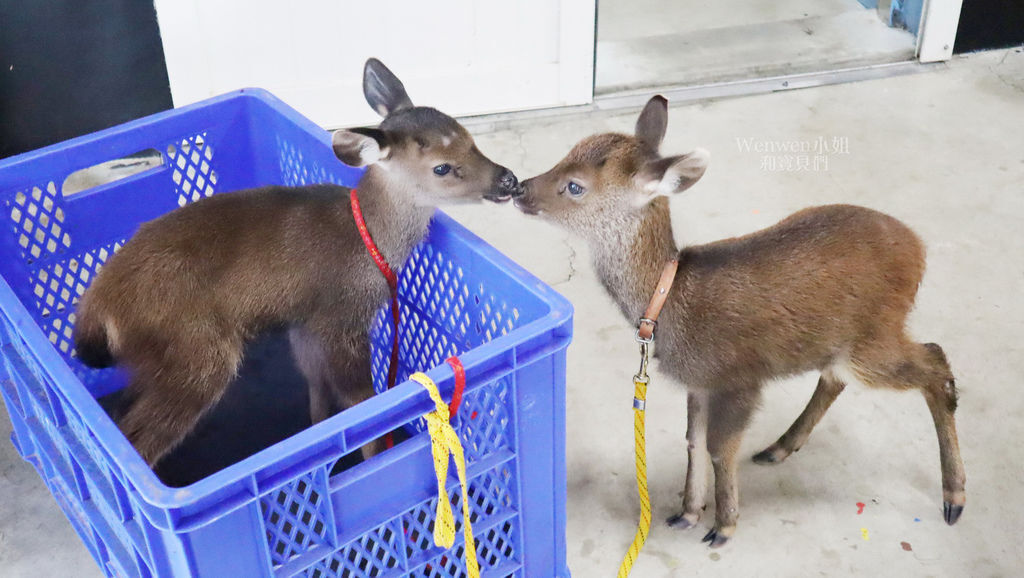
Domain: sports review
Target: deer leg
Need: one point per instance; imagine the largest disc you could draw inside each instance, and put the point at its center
(353, 386)
(829, 388)
(728, 415)
(924, 366)
(941, 395)
(167, 401)
(696, 489)
(347, 375)
(308, 352)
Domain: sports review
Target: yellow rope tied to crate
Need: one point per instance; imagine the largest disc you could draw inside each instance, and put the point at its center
(444, 441)
(640, 381)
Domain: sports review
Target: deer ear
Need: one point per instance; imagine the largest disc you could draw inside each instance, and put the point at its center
(650, 127)
(672, 175)
(359, 147)
(382, 89)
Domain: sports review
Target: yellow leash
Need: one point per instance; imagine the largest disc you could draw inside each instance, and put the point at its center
(640, 381)
(444, 441)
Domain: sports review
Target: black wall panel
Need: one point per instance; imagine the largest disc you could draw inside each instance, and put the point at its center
(71, 67)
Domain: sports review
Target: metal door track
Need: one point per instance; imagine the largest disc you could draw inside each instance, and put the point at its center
(635, 99)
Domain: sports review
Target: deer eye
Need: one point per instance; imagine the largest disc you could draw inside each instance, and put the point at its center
(442, 170)
(575, 189)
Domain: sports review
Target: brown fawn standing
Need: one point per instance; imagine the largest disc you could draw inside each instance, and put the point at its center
(177, 304)
(826, 289)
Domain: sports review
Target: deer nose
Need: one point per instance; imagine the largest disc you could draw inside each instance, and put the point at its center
(510, 183)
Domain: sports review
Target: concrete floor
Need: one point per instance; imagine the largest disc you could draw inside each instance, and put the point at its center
(941, 150)
(653, 43)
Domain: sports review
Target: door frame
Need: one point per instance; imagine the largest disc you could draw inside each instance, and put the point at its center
(939, 21)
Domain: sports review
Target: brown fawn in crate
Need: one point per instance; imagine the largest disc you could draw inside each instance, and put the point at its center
(826, 289)
(176, 305)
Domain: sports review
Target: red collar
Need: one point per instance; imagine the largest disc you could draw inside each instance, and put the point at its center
(392, 279)
(382, 264)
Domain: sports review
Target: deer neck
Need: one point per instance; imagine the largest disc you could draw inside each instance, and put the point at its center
(630, 256)
(396, 223)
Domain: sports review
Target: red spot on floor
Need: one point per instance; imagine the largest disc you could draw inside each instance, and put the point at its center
(474, 415)
(906, 546)
(860, 508)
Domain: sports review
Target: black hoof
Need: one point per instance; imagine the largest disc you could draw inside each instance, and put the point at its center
(714, 539)
(951, 513)
(766, 458)
(678, 521)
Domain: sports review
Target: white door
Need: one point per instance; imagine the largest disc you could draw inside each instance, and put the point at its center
(939, 21)
(462, 56)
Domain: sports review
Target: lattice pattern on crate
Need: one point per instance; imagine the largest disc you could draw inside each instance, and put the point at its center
(57, 287)
(190, 159)
(490, 494)
(494, 547)
(380, 347)
(437, 286)
(38, 216)
(296, 517)
(484, 420)
(418, 527)
(498, 544)
(375, 553)
(450, 564)
(297, 170)
(443, 314)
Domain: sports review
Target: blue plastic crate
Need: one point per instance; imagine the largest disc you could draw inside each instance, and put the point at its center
(279, 512)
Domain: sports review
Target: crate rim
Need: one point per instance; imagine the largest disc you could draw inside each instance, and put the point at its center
(402, 403)
(65, 147)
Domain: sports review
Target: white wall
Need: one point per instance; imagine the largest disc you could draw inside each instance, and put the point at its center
(462, 56)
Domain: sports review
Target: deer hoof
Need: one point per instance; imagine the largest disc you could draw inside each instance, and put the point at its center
(715, 539)
(774, 454)
(683, 521)
(951, 512)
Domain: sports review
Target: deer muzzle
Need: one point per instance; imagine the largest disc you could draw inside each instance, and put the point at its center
(506, 187)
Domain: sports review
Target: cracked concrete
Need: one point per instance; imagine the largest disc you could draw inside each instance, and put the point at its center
(571, 262)
(941, 150)
(1010, 71)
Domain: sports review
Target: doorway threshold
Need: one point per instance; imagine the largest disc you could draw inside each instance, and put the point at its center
(635, 99)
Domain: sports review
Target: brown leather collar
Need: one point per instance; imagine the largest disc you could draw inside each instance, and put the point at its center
(647, 324)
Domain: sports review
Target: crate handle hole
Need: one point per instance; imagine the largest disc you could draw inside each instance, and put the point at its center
(111, 171)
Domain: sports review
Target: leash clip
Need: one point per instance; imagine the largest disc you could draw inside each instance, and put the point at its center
(641, 375)
(654, 326)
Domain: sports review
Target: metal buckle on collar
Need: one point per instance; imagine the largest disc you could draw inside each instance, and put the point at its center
(636, 334)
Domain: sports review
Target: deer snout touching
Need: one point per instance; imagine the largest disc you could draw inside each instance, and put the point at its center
(506, 187)
(527, 201)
